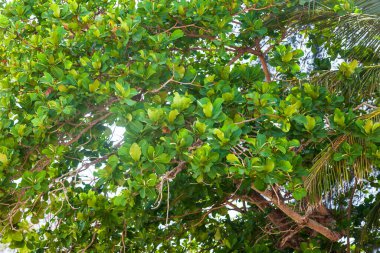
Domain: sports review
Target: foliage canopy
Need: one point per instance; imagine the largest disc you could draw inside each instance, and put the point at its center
(241, 133)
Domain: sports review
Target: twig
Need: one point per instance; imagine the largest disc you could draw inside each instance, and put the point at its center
(208, 212)
(166, 177)
(65, 194)
(92, 240)
(161, 87)
(245, 121)
(253, 8)
(167, 204)
(122, 236)
(349, 208)
(90, 125)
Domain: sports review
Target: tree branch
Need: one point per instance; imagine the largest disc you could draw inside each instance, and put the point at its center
(299, 219)
(90, 125)
(252, 8)
(265, 67)
(349, 208)
(263, 62)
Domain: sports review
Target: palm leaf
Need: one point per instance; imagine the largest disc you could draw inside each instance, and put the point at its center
(369, 6)
(357, 33)
(372, 220)
(365, 84)
(327, 177)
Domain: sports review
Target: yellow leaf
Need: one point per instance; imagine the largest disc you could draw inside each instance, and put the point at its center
(207, 109)
(287, 57)
(217, 235)
(173, 115)
(135, 151)
(56, 11)
(232, 158)
(94, 86)
(3, 159)
(62, 88)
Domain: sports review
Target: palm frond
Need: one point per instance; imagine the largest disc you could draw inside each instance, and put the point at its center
(375, 115)
(357, 33)
(372, 220)
(364, 84)
(327, 176)
(369, 6)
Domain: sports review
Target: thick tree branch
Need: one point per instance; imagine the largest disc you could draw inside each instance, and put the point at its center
(299, 219)
(263, 61)
(265, 67)
(275, 216)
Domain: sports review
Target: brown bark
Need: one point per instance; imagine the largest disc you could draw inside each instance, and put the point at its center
(275, 216)
(299, 219)
(263, 62)
(278, 219)
(265, 67)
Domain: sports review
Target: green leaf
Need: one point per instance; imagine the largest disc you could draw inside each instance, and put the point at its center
(368, 126)
(173, 115)
(338, 157)
(176, 34)
(142, 192)
(219, 134)
(339, 117)
(162, 158)
(207, 109)
(259, 184)
(200, 127)
(232, 158)
(135, 151)
(287, 57)
(299, 193)
(285, 126)
(47, 78)
(40, 177)
(180, 102)
(285, 166)
(120, 88)
(17, 236)
(269, 165)
(3, 159)
(155, 114)
(348, 68)
(68, 64)
(4, 21)
(217, 235)
(120, 200)
(91, 202)
(310, 123)
(94, 86)
(179, 71)
(57, 72)
(209, 79)
(56, 11)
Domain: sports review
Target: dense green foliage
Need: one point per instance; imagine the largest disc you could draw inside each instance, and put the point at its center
(235, 139)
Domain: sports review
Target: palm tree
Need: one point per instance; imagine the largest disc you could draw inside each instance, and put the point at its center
(356, 37)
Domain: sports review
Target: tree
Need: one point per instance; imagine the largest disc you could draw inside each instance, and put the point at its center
(232, 137)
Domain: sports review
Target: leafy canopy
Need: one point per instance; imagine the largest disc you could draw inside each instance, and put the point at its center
(218, 111)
